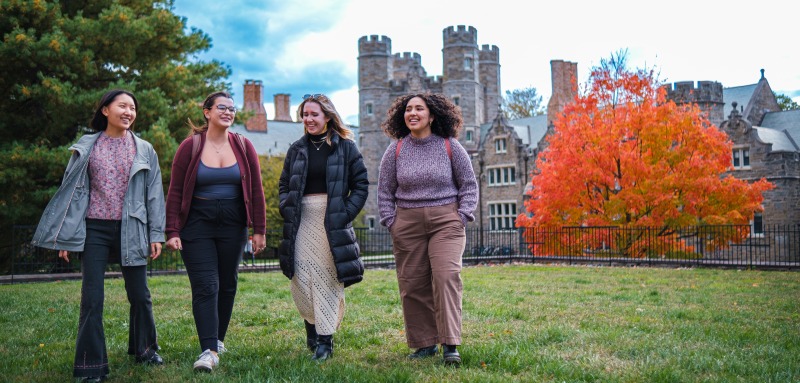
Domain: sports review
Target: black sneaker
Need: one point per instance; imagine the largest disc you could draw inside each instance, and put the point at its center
(424, 352)
(451, 356)
(153, 359)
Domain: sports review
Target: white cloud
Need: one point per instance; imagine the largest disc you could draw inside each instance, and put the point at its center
(684, 40)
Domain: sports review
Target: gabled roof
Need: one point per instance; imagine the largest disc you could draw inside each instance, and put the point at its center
(530, 129)
(739, 94)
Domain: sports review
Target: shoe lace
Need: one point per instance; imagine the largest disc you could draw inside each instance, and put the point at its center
(207, 356)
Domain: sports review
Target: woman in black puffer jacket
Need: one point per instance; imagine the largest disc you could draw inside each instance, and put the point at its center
(322, 188)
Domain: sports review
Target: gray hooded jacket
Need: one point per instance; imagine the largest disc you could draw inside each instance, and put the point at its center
(63, 223)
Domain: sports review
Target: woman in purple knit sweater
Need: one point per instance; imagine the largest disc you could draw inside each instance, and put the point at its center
(427, 193)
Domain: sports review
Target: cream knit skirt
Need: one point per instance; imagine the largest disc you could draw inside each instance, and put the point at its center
(317, 293)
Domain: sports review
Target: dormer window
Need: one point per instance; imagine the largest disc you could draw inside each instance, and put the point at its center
(500, 145)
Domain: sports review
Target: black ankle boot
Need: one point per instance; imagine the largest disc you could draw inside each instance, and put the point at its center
(311, 336)
(451, 356)
(324, 348)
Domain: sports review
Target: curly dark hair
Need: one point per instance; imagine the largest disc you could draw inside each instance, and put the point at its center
(447, 120)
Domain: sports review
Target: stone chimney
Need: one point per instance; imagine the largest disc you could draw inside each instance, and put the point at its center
(282, 105)
(253, 102)
(564, 76)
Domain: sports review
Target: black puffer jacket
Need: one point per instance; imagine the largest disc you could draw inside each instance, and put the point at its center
(347, 185)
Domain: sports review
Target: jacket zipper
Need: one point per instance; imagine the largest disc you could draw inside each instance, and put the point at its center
(64, 217)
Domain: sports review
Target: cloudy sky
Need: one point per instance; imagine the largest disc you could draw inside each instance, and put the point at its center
(311, 46)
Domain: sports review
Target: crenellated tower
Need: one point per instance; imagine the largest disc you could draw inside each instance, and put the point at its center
(375, 71)
(461, 73)
(471, 79)
(707, 95)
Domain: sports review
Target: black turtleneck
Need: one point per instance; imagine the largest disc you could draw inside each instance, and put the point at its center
(317, 164)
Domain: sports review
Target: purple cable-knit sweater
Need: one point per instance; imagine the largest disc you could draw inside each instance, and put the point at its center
(422, 175)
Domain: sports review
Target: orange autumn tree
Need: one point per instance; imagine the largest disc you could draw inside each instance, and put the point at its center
(622, 156)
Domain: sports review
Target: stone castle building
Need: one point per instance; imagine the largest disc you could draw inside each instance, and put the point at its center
(471, 78)
(504, 151)
(765, 141)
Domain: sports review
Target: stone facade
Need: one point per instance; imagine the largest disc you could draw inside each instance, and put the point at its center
(762, 147)
(471, 78)
(755, 157)
(707, 95)
(504, 152)
(502, 166)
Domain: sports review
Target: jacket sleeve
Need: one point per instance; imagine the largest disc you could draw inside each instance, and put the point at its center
(283, 182)
(180, 166)
(257, 201)
(357, 183)
(155, 199)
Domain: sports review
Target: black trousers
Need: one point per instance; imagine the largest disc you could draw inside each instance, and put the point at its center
(103, 246)
(213, 240)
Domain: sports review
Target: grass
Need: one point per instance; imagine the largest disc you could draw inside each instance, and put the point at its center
(526, 323)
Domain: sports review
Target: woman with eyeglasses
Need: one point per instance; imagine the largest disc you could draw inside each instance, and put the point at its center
(427, 193)
(215, 194)
(323, 187)
(109, 209)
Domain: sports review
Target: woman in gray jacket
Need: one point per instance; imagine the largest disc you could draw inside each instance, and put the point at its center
(110, 207)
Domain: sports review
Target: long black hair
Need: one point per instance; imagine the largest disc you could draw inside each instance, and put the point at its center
(100, 121)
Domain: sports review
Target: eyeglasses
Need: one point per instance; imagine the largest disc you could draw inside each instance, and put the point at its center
(222, 108)
(313, 96)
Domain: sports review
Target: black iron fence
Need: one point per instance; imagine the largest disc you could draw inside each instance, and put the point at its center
(714, 246)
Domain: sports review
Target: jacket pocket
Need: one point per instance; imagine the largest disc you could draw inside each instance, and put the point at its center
(70, 228)
(138, 239)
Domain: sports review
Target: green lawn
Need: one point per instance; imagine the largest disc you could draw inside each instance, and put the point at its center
(524, 323)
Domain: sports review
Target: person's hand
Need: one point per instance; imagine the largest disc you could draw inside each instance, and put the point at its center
(63, 254)
(174, 244)
(155, 250)
(259, 242)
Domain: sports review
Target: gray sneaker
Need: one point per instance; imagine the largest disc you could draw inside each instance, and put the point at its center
(221, 347)
(206, 361)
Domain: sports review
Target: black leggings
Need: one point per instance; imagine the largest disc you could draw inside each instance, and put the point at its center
(213, 240)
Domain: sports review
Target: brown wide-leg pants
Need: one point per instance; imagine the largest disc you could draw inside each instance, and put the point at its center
(428, 244)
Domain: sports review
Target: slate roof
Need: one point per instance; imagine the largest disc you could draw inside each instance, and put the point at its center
(785, 120)
(740, 94)
(530, 129)
(780, 140)
(278, 138)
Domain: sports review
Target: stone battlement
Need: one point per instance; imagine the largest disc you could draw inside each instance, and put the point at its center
(489, 53)
(409, 57)
(460, 35)
(375, 44)
(703, 92)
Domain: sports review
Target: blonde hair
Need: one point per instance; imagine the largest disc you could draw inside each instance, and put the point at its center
(336, 124)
